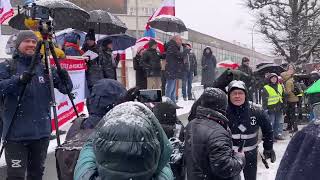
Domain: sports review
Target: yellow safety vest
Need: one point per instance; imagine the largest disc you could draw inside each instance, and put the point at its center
(274, 97)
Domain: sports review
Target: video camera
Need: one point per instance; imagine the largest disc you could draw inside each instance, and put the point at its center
(37, 12)
(41, 14)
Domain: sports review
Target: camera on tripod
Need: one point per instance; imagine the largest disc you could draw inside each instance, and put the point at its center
(37, 12)
(42, 15)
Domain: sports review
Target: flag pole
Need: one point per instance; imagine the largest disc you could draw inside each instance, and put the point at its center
(137, 20)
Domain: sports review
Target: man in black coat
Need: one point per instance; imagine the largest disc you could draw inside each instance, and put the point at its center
(208, 143)
(190, 68)
(108, 63)
(245, 67)
(175, 66)
(244, 122)
(152, 66)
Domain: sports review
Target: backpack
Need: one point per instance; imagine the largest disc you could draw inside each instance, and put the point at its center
(67, 154)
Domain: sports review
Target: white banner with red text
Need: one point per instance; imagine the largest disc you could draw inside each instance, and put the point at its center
(76, 67)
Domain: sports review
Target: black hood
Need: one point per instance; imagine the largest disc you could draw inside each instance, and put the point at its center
(206, 113)
(205, 53)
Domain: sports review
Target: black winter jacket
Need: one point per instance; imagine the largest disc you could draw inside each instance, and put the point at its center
(208, 148)
(108, 63)
(174, 57)
(190, 63)
(249, 119)
(151, 62)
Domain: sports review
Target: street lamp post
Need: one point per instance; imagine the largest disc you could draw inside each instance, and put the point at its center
(252, 47)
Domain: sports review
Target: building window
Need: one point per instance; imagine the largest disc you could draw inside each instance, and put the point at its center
(132, 11)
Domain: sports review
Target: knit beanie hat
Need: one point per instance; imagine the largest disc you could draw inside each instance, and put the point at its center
(90, 36)
(23, 35)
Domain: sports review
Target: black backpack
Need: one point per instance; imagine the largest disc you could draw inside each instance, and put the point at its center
(67, 154)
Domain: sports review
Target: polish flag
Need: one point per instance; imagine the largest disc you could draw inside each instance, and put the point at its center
(167, 8)
(6, 10)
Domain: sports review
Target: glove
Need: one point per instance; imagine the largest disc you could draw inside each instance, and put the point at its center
(241, 157)
(26, 77)
(270, 154)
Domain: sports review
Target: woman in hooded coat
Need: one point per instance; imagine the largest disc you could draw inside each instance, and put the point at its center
(129, 143)
(209, 64)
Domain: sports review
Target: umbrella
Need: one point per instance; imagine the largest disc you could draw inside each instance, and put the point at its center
(315, 88)
(17, 22)
(269, 68)
(103, 22)
(143, 42)
(120, 41)
(261, 64)
(168, 23)
(64, 14)
(228, 64)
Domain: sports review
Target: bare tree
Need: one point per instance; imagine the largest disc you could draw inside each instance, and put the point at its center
(292, 26)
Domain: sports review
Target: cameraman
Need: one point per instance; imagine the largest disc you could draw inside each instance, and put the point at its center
(28, 137)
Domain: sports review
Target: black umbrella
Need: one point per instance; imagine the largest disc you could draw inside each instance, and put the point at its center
(103, 22)
(168, 23)
(269, 68)
(17, 22)
(64, 14)
(120, 41)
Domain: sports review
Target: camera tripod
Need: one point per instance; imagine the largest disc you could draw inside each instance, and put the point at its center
(45, 29)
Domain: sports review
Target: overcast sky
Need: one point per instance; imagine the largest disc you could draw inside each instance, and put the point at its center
(225, 19)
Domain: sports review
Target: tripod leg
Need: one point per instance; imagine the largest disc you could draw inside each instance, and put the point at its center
(59, 69)
(53, 98)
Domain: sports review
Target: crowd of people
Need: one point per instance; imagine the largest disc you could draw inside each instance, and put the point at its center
(125, 139)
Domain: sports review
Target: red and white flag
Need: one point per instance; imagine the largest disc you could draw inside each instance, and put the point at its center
(6, 10)
(167, 7)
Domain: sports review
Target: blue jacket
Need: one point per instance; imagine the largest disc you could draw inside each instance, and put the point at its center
(33, 119)
(102, 158)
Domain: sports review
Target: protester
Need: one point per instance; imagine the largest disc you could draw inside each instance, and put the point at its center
(108, 63)
(174, 65)
(272, 103)
(292, 98)
(72, 45)
(208, 148)
(28, 138)
(245, 122)
(152, 66)
(190, 65)
(245, 67)
(208, 64)
(301, 158)
(105, 94)
(128, 143)
(141, 76)
(166, 113)
(90, 42)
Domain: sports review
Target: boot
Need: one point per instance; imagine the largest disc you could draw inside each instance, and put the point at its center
(190, 98)
(185, 99)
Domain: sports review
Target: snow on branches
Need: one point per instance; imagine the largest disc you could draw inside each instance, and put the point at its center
(292, 26)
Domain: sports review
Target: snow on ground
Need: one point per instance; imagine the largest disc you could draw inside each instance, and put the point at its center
(3, 43)
(270, 174)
